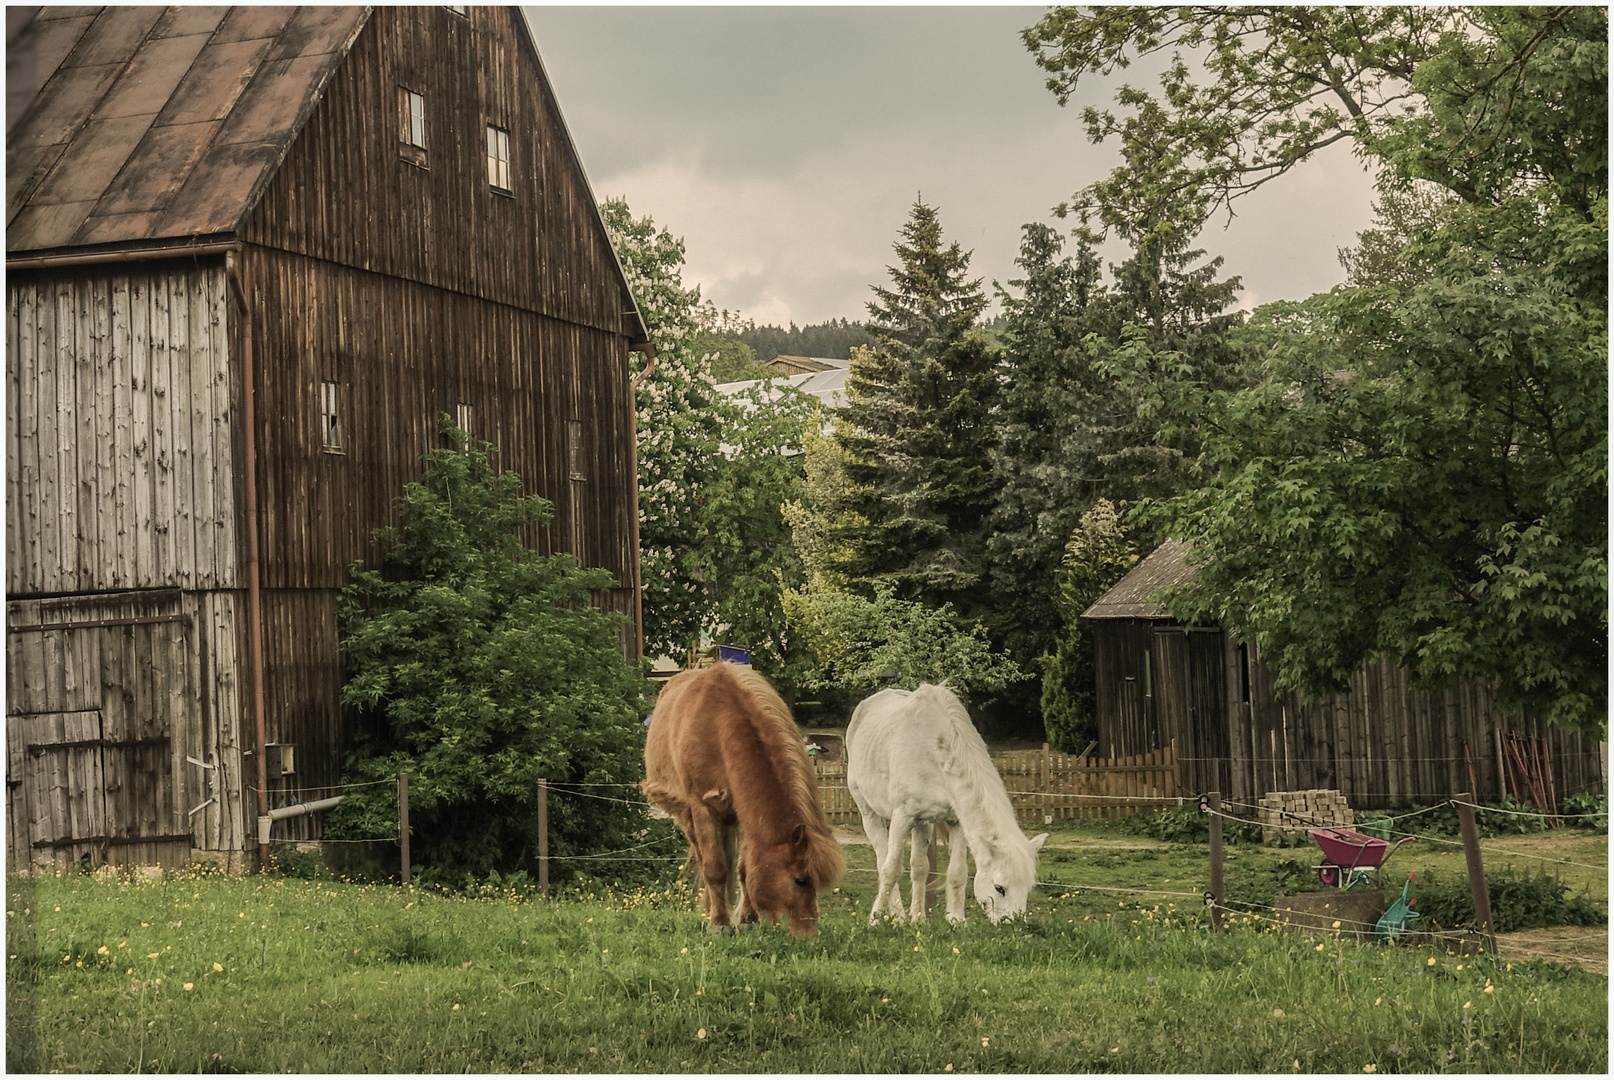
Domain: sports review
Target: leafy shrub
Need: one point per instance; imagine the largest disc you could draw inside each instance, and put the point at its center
(1587, 803)
(1519, 901)
(479, 666)
(1185, 824)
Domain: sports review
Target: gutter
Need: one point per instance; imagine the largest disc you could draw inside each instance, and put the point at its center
(232, 272)
(120, 255)
(633, 430)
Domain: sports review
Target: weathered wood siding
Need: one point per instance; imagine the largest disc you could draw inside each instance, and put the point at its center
(120, 463)
(1386, 742)
(403, 355)
(111, 701)
(345, 195)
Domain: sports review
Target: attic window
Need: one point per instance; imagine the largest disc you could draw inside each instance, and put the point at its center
(330, 425)
(411, 126)
(499, 160)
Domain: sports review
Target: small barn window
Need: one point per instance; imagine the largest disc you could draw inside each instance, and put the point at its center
(330, 418)
(458, 9)
(411, 126)
(462, 417)
(574, 449)
(499, 160)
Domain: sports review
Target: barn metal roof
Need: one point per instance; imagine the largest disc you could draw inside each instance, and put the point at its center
(1130, 598)
(128, 125)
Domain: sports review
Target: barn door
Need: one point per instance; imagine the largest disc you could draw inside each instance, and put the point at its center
(94, 686)
(64, 782)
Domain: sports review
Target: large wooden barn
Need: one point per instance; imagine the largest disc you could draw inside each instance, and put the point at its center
(254, 254)
(1386, 742)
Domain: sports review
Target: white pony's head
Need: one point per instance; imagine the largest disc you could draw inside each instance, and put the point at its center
(1004, 875)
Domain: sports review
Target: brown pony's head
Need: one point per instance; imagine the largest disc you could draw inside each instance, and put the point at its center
(783, 879)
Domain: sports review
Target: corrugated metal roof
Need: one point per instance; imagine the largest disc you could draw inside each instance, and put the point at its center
(1129, 598)
(157, 123)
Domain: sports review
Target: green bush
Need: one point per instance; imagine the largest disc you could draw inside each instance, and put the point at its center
(1185, 824)
(1586, 803)
(479, 666)
(1519, 901)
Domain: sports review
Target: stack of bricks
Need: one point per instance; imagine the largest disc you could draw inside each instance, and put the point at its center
(1290, 813)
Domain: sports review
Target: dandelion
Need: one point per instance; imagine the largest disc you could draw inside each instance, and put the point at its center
(681, 952)
(701, 1034)
(1336, 924)
(955, 950)
(1489, 989)
(1377, 1000)
(189, 987)
(456, 1007)
(1321, 946)
(153, 955)
(1115, 1049)
(1279, 1014)
(102, 951)
(1430, 962)
(217, 966)
(1370, 1068)
(948, 1067)
(1467, 1004)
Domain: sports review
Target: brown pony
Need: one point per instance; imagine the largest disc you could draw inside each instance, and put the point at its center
(724, 757)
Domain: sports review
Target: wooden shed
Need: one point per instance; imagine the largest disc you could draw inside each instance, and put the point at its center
(1385, 742)
(254, 254)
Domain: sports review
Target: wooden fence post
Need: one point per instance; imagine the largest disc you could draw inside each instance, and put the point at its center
(1476, 869)
(543, 837)
(403, 824)
(1215, 799)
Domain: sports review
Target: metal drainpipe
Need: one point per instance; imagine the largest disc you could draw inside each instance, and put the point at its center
(633, 428)
(232, 271)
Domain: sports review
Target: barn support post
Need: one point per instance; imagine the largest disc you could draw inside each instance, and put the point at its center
(403, 824)
(1476, 869)
(232, 273)
(1213, 898)
(543, 837)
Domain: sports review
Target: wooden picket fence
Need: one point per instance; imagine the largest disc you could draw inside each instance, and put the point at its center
(1046, 786)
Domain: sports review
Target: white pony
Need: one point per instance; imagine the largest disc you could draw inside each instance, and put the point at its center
(912, 759)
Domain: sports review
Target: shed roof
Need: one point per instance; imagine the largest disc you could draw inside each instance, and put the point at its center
(1130, 598)
(127, 125)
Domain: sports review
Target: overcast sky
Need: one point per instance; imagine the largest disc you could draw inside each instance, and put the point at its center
(786, 146)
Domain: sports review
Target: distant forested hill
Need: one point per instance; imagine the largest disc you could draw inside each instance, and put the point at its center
(834, 338)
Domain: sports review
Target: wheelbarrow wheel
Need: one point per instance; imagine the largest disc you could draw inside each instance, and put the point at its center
(1328, 874)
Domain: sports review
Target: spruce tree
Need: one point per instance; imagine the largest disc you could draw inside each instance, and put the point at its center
(918, 427)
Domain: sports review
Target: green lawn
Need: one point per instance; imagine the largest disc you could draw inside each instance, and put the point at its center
(265, 974)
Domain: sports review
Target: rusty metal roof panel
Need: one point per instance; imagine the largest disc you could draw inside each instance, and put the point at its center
(160, 123)
(1131, 597)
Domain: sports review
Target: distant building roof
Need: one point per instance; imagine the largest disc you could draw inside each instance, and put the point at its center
(828, 385)
(800, 365)
(1130, 598)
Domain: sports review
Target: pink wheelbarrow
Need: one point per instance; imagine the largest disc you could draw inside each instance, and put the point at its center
(1350, 857)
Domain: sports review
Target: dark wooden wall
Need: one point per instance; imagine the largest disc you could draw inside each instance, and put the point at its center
(345, 195)
(416, 289)
(1386, 742)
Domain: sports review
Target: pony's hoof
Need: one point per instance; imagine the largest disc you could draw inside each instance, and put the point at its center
(746, 927)
(722, 930)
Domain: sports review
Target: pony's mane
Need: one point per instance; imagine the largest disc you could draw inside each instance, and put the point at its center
(968, 764)
(781, 738)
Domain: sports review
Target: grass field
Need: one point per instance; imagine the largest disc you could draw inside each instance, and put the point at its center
(265, 974)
